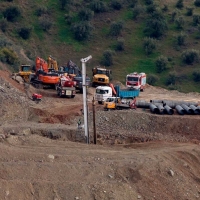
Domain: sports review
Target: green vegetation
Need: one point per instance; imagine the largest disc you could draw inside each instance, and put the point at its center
(151, 36)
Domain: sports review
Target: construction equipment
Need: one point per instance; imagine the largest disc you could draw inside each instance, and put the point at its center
(25, 72)
(104, 92)
(52, 64)
(66, 87)
(43, 76)
(101, 76)
(36, 97)
(136, 81)
(75, 74)
(117, 103)
(71, 69)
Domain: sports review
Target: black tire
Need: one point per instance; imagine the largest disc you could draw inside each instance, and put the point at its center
(72, 96)
(60, 94)
(100, 102)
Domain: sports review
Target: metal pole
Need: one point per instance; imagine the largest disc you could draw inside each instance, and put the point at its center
(84, 60)
(94, 123)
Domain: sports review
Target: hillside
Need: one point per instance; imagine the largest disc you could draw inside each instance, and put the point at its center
(39, 28)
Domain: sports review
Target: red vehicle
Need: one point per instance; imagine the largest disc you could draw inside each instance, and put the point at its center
(66, 87)
(44, 76)
(136, 81)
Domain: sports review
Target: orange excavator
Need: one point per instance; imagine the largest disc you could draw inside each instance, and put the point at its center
(44, 76)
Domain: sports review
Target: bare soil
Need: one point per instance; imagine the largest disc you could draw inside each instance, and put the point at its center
(139, 155)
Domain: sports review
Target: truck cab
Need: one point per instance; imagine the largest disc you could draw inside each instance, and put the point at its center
(101, 76)
(136, 81)
(102, 93)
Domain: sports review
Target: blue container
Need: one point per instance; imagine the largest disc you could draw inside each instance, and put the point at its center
(126, 93)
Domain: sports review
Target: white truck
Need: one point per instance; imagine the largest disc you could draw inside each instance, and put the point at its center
(102, 93)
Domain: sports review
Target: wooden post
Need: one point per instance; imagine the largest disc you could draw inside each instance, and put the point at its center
(94, 123)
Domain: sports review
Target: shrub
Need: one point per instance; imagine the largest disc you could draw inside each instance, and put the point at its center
(12, 13)
(132, 3)
(148, 2)
(156, 26)
(165, 8)
(137, 10)
(7, 55)
(85, 14)
(180, 39)
(98, 6)
(171, 79)
(45, 23)
(4, 42)
(116, 28)
(197, 3)
(180, 22)
(149, 45)
(82, 30)
(179, 4)
(63, 3)
(196, 20)
(151, 8)
(3, 24)
(190, 56)
(41, 10)
(196, 76)
(107, 59)
(68, 18)
(175, 14)
(161, 64)
(25, 32)
(152, 79)
(116, 4)
(120, 44)
(189, 11)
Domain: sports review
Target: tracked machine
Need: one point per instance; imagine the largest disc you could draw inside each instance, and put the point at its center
(44, 76)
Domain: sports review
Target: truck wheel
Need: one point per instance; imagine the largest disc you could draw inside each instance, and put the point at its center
(72, 96)
(59, 94)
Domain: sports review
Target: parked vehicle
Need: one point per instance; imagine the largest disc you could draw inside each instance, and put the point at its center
(117, 103)
(104, 92)
(136, 81)
(66, 87)
(25, 71)
(52, 64)
(43, 76)
(75, 74)
(101, 76)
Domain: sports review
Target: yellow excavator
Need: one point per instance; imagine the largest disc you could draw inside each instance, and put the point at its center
(52, 64)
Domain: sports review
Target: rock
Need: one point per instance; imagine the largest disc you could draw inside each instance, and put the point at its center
(171, 173)
(51, 156)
